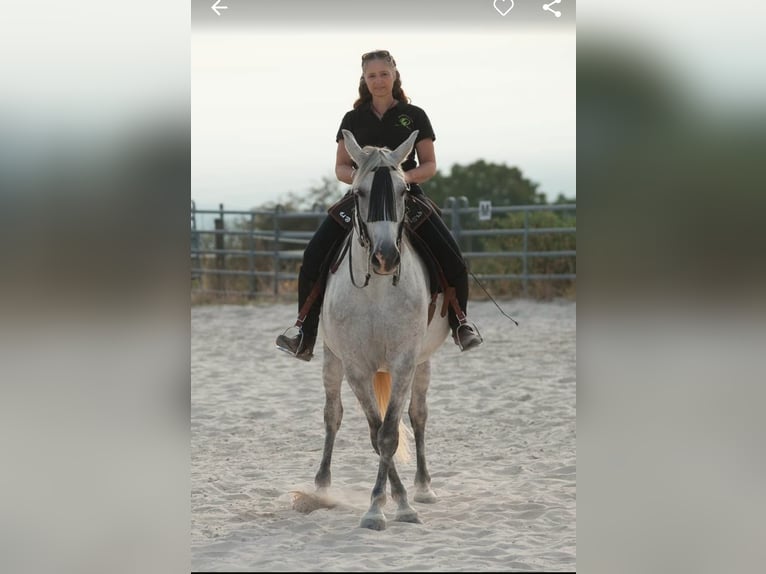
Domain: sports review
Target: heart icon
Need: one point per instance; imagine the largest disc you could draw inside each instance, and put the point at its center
(503, 6)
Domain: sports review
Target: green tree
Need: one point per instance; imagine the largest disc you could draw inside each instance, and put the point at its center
(498, 183)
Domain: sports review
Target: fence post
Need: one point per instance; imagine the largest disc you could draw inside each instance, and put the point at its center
(448, 203)
(251, 256)
(219, 247)
(194, 241)
(320, 210)
(277, 212)
(525, 238)
(462, 202)
(452, 204)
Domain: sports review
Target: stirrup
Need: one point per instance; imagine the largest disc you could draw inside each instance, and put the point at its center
(473, 338)
(283, 337)
(288, 345)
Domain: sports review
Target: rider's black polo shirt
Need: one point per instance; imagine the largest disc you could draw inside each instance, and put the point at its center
(395, 127)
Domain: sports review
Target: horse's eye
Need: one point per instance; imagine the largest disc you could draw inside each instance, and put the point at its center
(361, 193)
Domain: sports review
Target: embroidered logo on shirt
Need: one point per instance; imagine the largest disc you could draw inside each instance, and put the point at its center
(405, 121)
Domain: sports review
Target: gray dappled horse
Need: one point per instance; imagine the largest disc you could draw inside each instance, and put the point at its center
(376, 329)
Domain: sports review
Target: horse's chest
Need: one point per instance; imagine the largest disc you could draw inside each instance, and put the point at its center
(370, 316)
(355, 318)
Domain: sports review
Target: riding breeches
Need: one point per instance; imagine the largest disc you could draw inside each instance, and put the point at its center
(316, 260)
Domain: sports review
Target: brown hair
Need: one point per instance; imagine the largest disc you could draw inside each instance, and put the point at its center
(364, 93)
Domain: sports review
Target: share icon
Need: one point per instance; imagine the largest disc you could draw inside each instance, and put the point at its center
(549, 9)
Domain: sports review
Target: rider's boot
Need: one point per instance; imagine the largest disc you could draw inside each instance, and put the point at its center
(466, 335)
(301, 345)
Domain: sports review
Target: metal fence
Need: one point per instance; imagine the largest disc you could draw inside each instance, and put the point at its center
(257, 253)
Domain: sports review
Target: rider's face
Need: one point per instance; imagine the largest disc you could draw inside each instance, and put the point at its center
(379, 77)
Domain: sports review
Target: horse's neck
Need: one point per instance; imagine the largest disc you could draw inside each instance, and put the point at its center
(412, 261)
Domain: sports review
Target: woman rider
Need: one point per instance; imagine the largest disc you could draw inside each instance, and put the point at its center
(383, 117)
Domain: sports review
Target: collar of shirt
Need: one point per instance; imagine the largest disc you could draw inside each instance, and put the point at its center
(368, 106)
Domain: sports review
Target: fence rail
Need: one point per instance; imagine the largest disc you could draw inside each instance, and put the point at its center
(255, 255)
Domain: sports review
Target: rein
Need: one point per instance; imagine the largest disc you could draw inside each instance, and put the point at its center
(399, 247)
(364, 240)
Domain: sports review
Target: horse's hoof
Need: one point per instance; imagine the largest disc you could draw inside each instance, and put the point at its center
(408, 516)
(426, 496)
(373, 521)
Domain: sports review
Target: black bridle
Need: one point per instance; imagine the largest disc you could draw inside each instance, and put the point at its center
(381, 209)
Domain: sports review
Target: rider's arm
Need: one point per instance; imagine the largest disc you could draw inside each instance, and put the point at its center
(344, 167)
(427, 163)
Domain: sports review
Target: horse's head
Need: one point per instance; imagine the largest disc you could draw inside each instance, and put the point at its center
(379, 190)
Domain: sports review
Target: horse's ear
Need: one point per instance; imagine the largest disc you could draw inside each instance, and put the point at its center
(352, 147)
(404, 149)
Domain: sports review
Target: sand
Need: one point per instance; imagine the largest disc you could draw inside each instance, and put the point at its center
(500, 440)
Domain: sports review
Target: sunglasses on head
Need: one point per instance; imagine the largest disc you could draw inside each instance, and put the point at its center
(377, 54)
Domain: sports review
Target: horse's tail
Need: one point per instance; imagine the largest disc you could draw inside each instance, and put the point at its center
(381, 383)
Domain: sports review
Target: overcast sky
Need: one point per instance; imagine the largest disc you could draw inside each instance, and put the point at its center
(266, 105)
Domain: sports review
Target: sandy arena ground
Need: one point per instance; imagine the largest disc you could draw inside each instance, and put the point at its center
(500, 442)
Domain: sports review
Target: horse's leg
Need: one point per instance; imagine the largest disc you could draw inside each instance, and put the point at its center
(398, 492)
(404, 512)
(388, 440)
(369, 404)
(360, 383)
(374, 421)
(418, 416)
(332, 375)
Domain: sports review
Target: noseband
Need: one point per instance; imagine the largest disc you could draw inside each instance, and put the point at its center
(381, 209)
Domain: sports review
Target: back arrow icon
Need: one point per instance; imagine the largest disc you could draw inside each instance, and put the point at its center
(215, 7)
